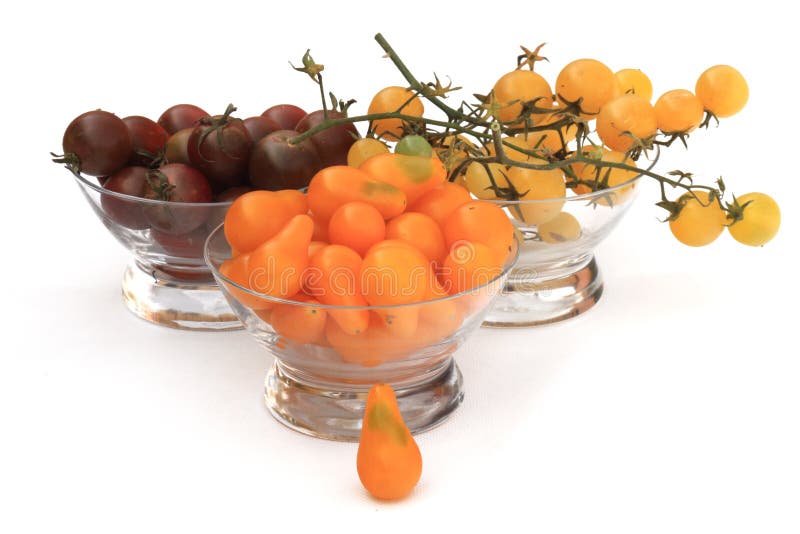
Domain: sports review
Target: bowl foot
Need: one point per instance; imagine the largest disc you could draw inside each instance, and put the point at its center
(163, 299)
(326, 412)
(536, 300)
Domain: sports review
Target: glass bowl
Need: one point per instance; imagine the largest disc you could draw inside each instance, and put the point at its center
(557, 276)
(167, 281)
(319, 381)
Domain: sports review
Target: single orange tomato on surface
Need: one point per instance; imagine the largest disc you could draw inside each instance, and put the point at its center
(389, 462)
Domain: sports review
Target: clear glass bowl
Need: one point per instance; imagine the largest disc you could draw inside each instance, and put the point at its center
(557, 276)
(319, 386)
(167, 281)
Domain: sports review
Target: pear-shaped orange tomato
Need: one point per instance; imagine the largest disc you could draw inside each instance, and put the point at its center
(389, 462)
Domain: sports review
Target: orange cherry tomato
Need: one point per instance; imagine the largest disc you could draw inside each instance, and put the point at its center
(334, 278)
(257, 216)
(623, 114)
(235, 269)
(469, 265)
(480, 222)
(333, 186)
(394, 272)
(421, 231)
(357, 225)
(389, 463)
(298, 323)
(413, 175)
(374, 346)
(440, 202)
(276, 267)
(394, 99)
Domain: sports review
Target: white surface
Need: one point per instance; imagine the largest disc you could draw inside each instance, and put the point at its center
(671, 407)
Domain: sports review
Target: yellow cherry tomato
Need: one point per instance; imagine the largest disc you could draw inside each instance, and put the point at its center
(560, 229)
(536, 185)
(519, 86)
(589, 80)
(678, 111)
(723, 90)
(625, 114)
(762, 218)
(634, 81)
(699, 222)
(363, 149)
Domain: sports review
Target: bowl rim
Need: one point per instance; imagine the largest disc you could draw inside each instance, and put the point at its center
(151, 201)
(586, 196)
(508, 265)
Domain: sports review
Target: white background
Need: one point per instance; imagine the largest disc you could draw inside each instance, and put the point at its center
(673, 406)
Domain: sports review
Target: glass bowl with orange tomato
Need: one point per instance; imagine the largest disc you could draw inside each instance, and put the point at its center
(368, 277)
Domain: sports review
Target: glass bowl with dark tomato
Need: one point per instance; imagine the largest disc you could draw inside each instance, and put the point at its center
(166, 281)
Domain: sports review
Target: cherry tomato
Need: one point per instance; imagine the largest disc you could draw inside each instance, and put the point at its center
(128, 181)
(413, 175)
(440, 202)
(275, 164)
(700, 221)
(560, 229)
(414, 145)
(363, 149)
(678, 111)
(588, 80)
(258, 127)
(177, 183)
(177, 149)
(606, 177)
(762, 218)
(100, 142)
(148, 139)
(623, 114)
(357, 225)
(538, 185)
(480, 222)
(220, 147)
(300, 323)
(332, 143)
(181, 116)
(334, 279)
(483, 179)
(421, 231)
(722, 90)
(276, 268)
(285, 115)
(469, 265)
(634, 81)
(520, 86)
(394, 272)
(394, 99)
(247, 224)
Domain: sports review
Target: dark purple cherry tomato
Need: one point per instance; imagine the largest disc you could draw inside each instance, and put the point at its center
(148, 137)
(130, 181)
(220, 148)
(286, 115)
(259, 127)
(179, 184)
(96, 143)
(275, 164)
(181, 116)
(189, 245)
(332, 143)
(177, 150)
